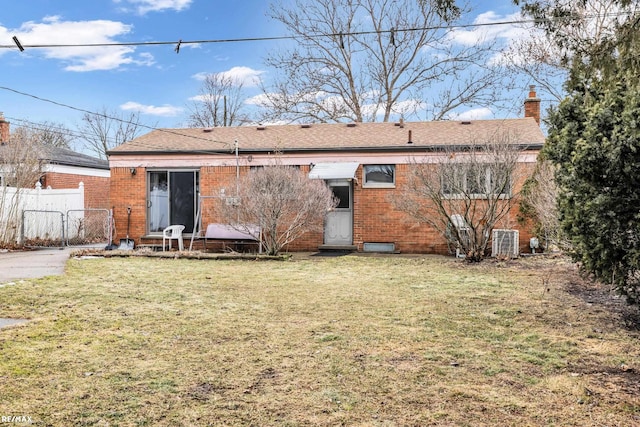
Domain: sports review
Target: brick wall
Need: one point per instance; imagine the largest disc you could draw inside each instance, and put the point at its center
(375, 219)
(96, 189)
(4, 129)
(128, 190)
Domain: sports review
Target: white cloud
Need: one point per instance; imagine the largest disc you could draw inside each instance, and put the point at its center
(152, 110)
(145, 6)
(409, 107)
(474, 114)
(406, 108)
(245, 75)
(490, 29)
(260, 100)
(145, 58)
(200, 76)
(53, 30)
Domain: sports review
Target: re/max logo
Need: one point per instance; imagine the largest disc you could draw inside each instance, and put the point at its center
(23, 419)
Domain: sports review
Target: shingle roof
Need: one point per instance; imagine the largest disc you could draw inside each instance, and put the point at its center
(64, 156)
(322, 137)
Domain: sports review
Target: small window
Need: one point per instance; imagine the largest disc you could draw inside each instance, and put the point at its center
(341, 192)
(379, 176)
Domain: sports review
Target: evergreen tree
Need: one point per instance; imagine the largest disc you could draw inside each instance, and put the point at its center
(594, 139)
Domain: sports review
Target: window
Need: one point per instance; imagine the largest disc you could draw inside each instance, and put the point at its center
(171, 199)
(379, 176)
(500, 180)
(342, 193)
(475, 180)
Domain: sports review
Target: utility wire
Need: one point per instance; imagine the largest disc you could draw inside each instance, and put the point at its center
(392, 31)
(169, 131)
(44, 127)
(77, 134)
(226, 145)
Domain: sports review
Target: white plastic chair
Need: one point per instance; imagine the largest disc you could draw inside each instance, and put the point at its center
(173, 232)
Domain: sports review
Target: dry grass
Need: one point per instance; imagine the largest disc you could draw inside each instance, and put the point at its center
(353, 340)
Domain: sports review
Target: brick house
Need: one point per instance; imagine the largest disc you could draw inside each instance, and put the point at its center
(63, 169)
(362, 162)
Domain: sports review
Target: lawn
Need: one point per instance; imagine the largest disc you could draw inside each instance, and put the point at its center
(318, 341)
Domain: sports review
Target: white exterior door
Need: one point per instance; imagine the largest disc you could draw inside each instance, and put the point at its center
(338, 227)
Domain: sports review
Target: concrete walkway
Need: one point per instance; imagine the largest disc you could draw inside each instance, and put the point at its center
(32, 264)
(20, 265)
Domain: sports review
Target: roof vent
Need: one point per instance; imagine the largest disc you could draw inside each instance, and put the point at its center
(261, 128)
(207, 130)
(305, 126)
(351, 125)
(466, 122)
(400, 123)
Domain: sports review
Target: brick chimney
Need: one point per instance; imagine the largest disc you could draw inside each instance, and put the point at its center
(4, 130)
(532, 105)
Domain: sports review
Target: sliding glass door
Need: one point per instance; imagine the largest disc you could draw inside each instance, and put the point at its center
(172, 198)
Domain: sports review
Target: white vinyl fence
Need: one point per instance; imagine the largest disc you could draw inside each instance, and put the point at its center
(38, 213)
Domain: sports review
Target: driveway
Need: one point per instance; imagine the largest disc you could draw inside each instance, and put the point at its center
(32, 264)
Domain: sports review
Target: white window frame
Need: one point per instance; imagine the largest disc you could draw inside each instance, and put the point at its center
(465, 186)
(378, 184)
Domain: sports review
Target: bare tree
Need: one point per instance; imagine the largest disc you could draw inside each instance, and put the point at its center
(448, 9)
(105, 130)
(539, 203)
(564, 28)
(282, 201)
(219, 103)
(465, 194)
(52, 134)
(540, 62)
(366, 60)
(20, 169)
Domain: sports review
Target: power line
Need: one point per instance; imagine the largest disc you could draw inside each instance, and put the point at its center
(43, 127)
(179, 43)
(60, 104)
(226, 145)
(77, 134)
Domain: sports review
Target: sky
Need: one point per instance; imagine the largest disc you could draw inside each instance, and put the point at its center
(59, 84)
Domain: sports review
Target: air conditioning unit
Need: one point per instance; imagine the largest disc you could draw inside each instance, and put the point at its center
(505, 243)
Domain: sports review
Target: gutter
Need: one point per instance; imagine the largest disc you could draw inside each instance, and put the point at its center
(388, 149)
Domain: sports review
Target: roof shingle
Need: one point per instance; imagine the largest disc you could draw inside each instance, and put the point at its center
(322, 137)
(63, 156)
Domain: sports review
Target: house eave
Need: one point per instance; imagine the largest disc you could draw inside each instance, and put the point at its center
(409, 148)
(78, 165)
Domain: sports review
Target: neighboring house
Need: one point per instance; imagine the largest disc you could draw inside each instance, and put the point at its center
(161, 175)
(63, 169)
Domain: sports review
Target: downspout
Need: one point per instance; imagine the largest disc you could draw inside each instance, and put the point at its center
(235, 142)
(237, 169)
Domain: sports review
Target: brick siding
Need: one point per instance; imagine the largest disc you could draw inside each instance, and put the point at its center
(374, 219)
(96, 189)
